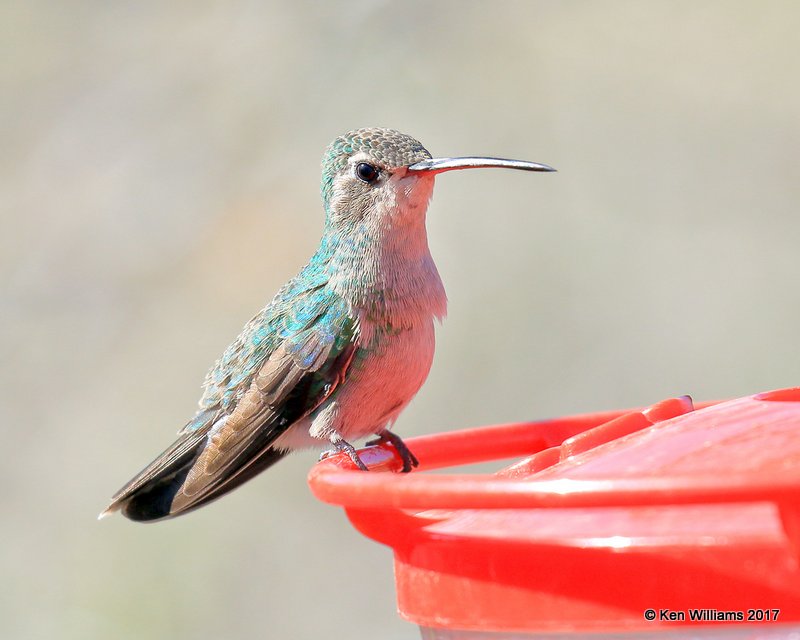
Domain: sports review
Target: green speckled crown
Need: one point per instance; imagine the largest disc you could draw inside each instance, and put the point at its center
(388, 147)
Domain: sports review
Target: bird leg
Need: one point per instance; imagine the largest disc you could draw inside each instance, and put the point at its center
(342, 446)
(409, 459)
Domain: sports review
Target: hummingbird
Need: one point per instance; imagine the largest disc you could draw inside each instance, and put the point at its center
(340, 350)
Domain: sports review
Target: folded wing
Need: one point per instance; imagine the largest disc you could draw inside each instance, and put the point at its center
(311, 343)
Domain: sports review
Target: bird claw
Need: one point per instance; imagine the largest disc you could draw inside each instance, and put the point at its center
(409, 459)
(342, 446)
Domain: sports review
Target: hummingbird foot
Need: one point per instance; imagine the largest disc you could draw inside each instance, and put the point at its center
(342, 446)
(409, 459)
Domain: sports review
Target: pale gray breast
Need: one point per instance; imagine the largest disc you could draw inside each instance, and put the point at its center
(384, 377)
(380, 382)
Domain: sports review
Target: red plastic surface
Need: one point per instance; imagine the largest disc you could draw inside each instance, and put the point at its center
(606, 515)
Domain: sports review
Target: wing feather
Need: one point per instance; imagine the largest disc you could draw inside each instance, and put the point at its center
(246, 407)
(258, 418)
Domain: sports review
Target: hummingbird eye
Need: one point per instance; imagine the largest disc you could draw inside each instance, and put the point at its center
(367, 172)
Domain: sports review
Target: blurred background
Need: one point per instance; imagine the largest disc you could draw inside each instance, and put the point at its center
(160, 180)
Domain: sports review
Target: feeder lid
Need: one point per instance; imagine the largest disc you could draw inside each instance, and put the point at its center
(603, 518)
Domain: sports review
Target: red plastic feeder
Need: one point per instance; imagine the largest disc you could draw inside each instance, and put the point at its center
(668, 519)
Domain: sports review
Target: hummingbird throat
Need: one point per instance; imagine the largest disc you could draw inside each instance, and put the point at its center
(384, 268)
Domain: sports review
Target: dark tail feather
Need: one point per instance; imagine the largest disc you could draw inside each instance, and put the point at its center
(153, 501)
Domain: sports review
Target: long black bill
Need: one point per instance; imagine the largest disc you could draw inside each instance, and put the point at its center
(438, 165)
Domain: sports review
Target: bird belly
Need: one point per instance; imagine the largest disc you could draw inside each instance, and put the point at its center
(384, 376)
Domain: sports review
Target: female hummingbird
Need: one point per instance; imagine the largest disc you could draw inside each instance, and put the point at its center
(339, 351)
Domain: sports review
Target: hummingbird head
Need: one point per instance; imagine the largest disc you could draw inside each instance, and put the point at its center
(365, 175)
(376, 185)
(381, 173)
